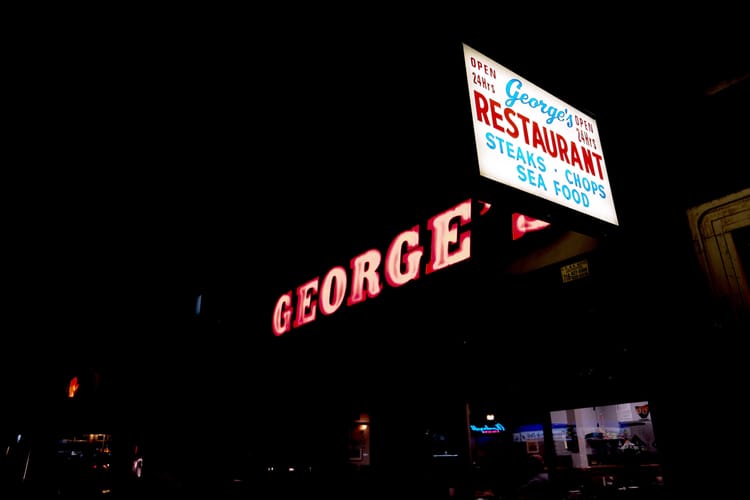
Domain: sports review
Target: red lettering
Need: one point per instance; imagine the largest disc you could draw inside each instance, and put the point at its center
(282, 315)
(306, 305)
(485, 106)
(332, 291)
(445, 237)
(450, 244)
(395, 259)
(365, 268)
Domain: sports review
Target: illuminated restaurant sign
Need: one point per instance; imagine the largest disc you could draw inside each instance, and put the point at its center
(528, 139)
(450, 244)
(487, 429)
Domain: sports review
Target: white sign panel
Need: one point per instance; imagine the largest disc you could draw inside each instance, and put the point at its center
(528, 139)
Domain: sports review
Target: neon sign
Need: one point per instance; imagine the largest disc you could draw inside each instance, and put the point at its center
(450, 244)
(487, 429)
(523, 224)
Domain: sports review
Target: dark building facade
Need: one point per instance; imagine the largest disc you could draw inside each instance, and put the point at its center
(611, 351)
(574, 341)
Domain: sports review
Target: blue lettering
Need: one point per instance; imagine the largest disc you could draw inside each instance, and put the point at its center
(513, 152)
(571, 194)
(585, 183)
(491, 142)
(513, 91)
(531, 177)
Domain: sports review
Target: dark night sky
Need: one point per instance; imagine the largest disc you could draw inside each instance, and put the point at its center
(152, 158)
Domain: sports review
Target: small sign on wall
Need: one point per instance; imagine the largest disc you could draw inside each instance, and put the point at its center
(575, 271)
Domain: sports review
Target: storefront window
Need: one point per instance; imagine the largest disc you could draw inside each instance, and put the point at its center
(609, 447)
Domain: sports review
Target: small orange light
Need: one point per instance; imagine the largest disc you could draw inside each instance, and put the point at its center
(73, 387)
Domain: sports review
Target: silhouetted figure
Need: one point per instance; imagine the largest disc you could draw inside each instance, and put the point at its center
(537, 485)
